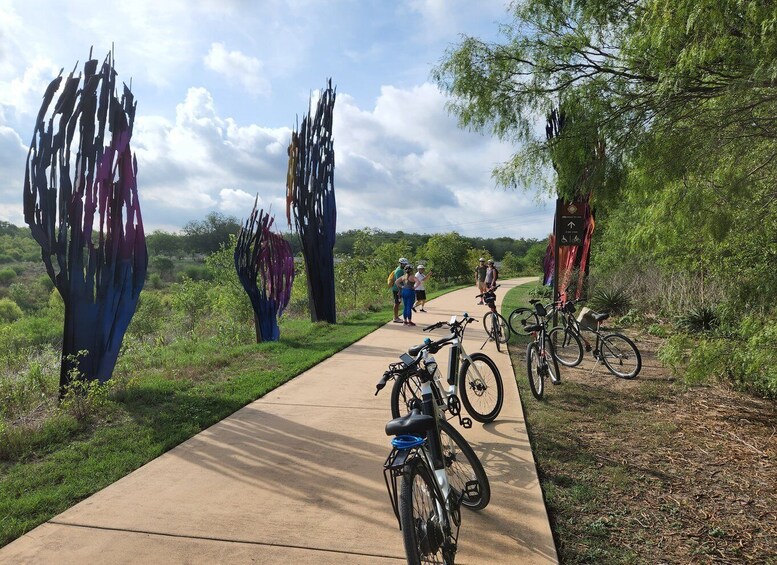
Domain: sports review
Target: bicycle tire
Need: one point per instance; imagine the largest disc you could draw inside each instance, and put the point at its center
(566, 346)
(536, 379)
(521, 317)
(459, 472)
(419, 514)
(474, 389)
(405, 388)
(491, 326)
(618, 346)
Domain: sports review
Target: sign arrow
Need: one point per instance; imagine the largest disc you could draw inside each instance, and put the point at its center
(571, 225)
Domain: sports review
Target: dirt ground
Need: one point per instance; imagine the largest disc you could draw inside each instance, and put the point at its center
(652, 471)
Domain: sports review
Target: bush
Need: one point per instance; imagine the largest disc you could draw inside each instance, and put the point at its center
(9, 310)
(699, 319)
(197, 273)
(7, 276)
(541, 292)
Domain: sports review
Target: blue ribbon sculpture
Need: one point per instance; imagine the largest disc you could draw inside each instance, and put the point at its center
(100, 272)
(265, 267)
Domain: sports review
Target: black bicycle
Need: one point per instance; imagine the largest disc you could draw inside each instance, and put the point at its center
(618, 353)
(431, 471)
(540, 355)
(496, 326)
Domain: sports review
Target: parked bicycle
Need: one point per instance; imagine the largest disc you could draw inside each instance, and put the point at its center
(494, 323)
(618, 353)
(540, 355)
(475, 378)
(431, 471)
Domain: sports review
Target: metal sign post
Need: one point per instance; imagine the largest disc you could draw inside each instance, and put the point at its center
(569, 231)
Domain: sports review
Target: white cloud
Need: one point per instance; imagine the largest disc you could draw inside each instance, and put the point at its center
(237, 202)
(238, 68)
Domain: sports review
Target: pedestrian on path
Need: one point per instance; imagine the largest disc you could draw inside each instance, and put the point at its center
(407, 285)
(395, 274)
(420, 287)
(492, 274)
(480, 277)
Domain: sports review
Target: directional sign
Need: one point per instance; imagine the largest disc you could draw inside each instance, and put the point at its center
(570, 224)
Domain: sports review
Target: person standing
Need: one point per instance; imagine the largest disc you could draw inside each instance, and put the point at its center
(407, 285)
(480, 277)
(420, 287)
(395, 291)
(492, 274)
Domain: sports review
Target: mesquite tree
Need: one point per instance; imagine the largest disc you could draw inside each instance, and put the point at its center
(265, 267)
(311, 196)
(99, 270)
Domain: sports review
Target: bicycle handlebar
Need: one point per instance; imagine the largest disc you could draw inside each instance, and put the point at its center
(492, 289)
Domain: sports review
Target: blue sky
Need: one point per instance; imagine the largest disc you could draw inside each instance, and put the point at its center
(220, 83)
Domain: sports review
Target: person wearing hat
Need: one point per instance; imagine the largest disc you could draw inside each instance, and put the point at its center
(420, 289)
(406, 284)
(398, 273)
(491, 274)
(480, 277)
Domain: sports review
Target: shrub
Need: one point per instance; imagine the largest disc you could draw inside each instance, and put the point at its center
(541, 291)
(7, 276)
(9, 310)
(197, 273)
(615, 301)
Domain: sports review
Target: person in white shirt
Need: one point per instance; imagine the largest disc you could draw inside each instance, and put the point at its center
(420, 289)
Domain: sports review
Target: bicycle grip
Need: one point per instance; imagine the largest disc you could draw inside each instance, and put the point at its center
(382, 383)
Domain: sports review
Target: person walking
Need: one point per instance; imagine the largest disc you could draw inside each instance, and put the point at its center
(396, 274)
(420, 287)
(492, 274)
(406, 283)
(480, 277)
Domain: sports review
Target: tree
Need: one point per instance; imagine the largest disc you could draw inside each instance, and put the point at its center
(208, 235)
(447, 256)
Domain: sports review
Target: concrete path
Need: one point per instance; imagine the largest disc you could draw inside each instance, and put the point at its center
(297, 477)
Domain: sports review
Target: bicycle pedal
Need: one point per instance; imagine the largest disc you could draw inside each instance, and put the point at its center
(465, 422)
(472, 490)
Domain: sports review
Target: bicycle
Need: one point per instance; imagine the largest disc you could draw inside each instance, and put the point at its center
(541, 359)
(618, 353)
(497, 328)
(475, 377)
(426, 500)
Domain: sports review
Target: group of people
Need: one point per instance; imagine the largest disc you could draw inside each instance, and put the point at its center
(486, 275)
(410, 290)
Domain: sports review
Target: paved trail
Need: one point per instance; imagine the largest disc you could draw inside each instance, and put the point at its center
(296, 477)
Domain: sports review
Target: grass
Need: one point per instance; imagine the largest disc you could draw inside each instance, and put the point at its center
(161, 396)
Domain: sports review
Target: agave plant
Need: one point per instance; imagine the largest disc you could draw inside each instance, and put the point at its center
(615, 301)
(699, 319)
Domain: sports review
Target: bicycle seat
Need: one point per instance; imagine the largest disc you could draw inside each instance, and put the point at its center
(532, 328)
(414, 423)
(601, 317)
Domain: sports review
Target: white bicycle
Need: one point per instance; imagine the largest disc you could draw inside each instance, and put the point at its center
(475, 378)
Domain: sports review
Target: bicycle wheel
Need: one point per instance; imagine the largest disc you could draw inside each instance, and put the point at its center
(535, 371)
(551, 362)
(621, 356)
(521, 317)
(566, 346)
(462, 466)
(481, 388)
(420, 515)
(405, 389)
(491, 325)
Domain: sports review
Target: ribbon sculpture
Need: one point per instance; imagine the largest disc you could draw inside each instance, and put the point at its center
(265, 267)
(100, 274)
(310, 194)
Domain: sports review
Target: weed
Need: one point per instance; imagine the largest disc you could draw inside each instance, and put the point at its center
(613, 300)
(698, 320)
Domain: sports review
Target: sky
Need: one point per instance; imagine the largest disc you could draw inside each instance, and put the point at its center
(221, 83)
